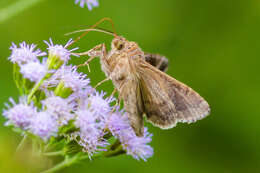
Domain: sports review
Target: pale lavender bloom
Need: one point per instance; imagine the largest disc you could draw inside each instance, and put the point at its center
(90, 144)
(118, 122)
(79, 98)
(25, 53)
(99, 105)
(91, 132)
(59, 108)
(90, 3)
(34, 70)
(20, 114)
(44, 125)
(135, 146)
(60, 51)
(70, 77)
(87, 122)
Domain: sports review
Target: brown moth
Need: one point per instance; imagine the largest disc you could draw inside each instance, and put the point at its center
(145, 89)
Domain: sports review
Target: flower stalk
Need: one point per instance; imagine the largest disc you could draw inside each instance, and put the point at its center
(56, 153)
(66, 163)
(35, 88)
(22, 142)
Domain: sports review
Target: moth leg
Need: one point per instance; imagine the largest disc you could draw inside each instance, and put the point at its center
(92, 53)
(118, 100)
(114, 92)
(101, 82)
(95, 51)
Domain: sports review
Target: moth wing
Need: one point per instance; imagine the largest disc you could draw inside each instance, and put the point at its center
(168, 101)
(158, 61)
(130, 93)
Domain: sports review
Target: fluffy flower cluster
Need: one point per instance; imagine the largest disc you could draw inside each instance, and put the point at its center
(134, 145)
(89, 3)
(64, 97)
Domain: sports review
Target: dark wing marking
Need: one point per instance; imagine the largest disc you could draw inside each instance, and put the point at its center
(158, 61)
(168, 101)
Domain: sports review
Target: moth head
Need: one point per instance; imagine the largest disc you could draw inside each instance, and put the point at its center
(118, 43)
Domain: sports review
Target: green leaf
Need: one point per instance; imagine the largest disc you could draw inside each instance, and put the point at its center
(18, 78)
(69, 128)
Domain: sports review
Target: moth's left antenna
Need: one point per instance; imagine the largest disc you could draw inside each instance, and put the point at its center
(94, 26)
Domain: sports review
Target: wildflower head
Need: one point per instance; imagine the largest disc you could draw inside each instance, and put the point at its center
(59, 108)
(91, 131)
(98, 104)
(58, 54)
(89, 123)
(25, 53)
(118, 122)
(134, 145)
(44, 125)
(34, 70)
(68, 77)
(138, 146)
(20, 114)
(89, 3)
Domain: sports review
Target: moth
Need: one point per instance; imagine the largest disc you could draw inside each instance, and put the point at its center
(144, 87)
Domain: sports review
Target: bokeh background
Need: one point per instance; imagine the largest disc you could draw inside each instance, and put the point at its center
(213, 46)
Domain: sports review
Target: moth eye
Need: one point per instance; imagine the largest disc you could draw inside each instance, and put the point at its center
(120, 46)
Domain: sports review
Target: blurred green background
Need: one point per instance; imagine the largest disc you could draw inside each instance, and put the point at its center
(213, 46)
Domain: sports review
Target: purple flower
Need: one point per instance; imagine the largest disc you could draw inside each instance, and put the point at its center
(34, 70)
(135, 146)
(89, 123)
(91, 132)
(118, 122)
(90, 144)
(20, 114)
(90, 3)
(99, 105)
(59, 108)
(25, 53)
(70, 77)
(79, 98)
(44, 125)
(60, 51)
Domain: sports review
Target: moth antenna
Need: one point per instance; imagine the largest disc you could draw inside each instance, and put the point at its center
(94, 26)
(94, 29)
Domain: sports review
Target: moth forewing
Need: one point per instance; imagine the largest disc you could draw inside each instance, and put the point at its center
(131, 94)
(168, 101)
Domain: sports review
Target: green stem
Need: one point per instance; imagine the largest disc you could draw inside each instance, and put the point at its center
(116, 152)
(16, 76)
(46, 147)
(57, 153)
(16, 8)
(34, 146)
(21, 143)
(34, 89)
(67, 162)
